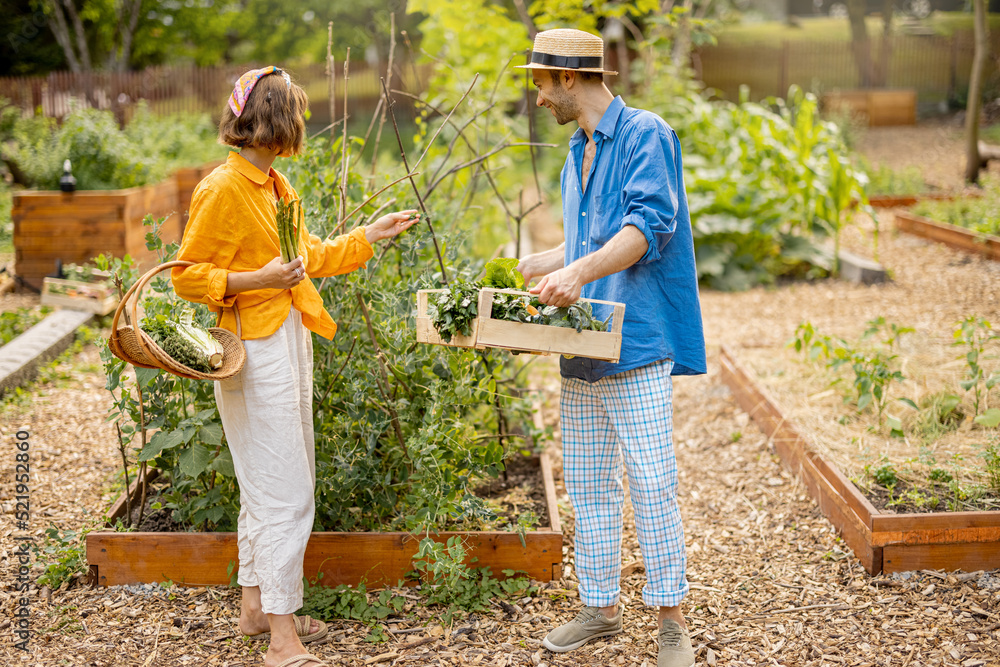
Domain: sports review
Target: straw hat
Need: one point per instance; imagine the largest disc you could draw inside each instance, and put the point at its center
(568, 49)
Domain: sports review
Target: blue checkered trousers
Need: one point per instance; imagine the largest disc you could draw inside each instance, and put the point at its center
(624, 421)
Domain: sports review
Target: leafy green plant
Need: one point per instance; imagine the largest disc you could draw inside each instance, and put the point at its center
(766, 183)
(64, 554)
(13, 323)
(873, 365)
(352, 603)
(446, 579)
(104, 156)
(975, 333)
(991, 459)
(169, 422)
(884, 474)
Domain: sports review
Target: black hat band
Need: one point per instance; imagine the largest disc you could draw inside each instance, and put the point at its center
(567, 62)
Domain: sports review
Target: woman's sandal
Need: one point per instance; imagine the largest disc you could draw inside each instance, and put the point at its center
(302, 624)
(302, 660)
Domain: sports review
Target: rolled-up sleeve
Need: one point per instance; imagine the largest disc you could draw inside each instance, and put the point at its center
(210, 242)
(650, 188)
(341, 254)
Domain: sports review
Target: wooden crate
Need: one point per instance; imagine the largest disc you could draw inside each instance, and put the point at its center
(426, 333)
(96, 298)
(75, 227)
(378, 559)
(967, 541)
(526, 337)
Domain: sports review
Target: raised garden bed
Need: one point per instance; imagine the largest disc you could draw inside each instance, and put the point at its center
(76, 227)
(876, 107)
(902, 201)
(883, 542)
(950, 235)
(378, 559)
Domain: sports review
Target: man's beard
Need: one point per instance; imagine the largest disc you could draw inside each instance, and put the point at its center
(564, 107)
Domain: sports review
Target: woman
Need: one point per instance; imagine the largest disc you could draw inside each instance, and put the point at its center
(266, 409)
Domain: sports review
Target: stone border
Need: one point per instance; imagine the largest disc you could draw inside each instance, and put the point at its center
(21, 357)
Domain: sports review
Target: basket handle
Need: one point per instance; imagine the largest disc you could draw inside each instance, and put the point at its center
(137, 287)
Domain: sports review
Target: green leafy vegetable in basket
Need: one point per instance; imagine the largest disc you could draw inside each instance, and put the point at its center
(185, 342)
(453, 311)
(289, 218)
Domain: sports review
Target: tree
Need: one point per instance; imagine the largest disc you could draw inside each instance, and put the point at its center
(972, 159)
(860, 44)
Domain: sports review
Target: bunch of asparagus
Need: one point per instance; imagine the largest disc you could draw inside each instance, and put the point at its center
(289, 226)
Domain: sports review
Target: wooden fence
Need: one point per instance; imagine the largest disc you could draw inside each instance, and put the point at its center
(176, 90)
(936, 67)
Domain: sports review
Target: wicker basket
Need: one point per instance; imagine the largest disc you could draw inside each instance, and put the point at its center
(133, 345)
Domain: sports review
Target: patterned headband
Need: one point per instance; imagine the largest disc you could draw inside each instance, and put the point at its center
(241, 91)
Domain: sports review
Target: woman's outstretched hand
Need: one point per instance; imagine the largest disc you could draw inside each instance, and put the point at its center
(391, 224)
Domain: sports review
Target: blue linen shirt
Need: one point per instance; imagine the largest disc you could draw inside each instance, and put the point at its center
(636, 179)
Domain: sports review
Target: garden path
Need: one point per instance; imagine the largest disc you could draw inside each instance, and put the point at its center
(771, 584)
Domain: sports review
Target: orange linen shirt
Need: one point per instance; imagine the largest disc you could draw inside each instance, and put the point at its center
(233, 227)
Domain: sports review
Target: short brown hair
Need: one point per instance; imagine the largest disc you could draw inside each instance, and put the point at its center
(585, 77)
(273, 116)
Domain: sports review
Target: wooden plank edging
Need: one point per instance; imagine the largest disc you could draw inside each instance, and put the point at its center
(950, 235)
(797, 456)
(378, 559)
(883, 542)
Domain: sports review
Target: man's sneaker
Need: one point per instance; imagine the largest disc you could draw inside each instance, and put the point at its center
(589, 624)
(675, 646)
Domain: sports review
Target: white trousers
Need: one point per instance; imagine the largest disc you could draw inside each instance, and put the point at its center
(266, 412)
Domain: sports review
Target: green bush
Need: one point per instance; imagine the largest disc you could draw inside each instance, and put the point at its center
(766, 182)
(104, 156)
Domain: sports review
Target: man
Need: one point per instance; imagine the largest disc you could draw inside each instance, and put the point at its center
(628, 239)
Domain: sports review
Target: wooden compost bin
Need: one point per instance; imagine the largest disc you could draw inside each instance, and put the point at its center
(883, 542)
(878, 107)
(522, 336)
(378, 559)
(950, 235)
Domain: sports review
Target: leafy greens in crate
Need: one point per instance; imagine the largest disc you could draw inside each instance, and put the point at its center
(453, 311)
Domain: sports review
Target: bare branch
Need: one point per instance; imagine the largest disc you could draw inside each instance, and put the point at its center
(388, 77)
(416, 191)
(480, 158)
(343, 145)
(441, 127)
(343, 222)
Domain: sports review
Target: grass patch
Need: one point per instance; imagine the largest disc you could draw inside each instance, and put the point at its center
(826, 29)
